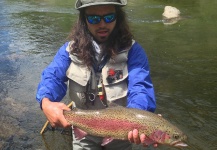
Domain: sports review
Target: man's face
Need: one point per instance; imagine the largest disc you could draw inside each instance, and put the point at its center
(102, 30)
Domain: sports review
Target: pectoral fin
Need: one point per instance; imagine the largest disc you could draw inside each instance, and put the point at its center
(79, 134)
(149, 141)
(106, 140)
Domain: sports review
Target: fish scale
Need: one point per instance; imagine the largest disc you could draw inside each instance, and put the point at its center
(116, 122)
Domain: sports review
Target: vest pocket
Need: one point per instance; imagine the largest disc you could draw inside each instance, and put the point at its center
(78, 73)
(116, 91)
(118, 88)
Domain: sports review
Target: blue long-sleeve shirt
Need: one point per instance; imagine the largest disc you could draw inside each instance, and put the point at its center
(140, 88)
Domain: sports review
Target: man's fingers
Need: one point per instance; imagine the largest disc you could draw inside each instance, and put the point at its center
(155, 145)
(52, 125)
(142, 138)
(64, 123)
(130, 136)
(136, 136)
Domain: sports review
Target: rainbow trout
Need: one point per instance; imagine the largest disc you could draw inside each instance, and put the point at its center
(116, 122)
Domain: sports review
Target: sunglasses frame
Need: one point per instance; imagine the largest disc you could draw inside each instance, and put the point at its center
(100, 17)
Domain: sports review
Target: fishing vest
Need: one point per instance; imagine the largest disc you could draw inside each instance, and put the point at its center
(86, 86)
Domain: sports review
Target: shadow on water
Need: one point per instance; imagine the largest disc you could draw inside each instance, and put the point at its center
(182, 58)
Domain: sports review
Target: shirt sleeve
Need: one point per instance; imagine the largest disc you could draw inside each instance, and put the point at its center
(140, 88)
(53, 78)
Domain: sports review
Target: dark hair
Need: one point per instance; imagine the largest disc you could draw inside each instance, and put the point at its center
(120, 38)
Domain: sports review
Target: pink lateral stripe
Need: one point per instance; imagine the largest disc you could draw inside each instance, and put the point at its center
(108, 124)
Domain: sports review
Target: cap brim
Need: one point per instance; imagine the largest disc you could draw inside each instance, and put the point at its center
(78, 5)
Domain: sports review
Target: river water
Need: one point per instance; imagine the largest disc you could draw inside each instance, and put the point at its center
(182, 56)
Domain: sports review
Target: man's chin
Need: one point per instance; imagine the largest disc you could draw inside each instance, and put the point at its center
(101, 39)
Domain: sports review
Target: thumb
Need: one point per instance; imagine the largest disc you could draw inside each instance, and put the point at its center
(64, 107)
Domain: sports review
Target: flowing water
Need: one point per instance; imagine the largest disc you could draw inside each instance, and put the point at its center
(182, 56)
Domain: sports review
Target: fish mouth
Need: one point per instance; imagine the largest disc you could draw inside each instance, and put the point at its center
(179, 144)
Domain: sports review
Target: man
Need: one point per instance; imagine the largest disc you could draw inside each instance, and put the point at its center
(102, 64)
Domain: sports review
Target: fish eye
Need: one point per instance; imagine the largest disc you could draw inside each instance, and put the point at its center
(176, 136)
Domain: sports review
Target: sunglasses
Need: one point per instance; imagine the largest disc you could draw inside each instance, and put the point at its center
(95, 19)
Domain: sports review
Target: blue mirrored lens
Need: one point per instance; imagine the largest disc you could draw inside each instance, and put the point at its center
(95, 19)
(109, 18)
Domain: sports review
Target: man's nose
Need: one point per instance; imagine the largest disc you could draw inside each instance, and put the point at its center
(102, 23)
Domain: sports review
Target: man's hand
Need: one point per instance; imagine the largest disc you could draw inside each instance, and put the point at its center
(134, 137)
(54, 113)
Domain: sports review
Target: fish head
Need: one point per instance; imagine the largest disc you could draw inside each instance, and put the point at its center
(177, 139)
(172, 138)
